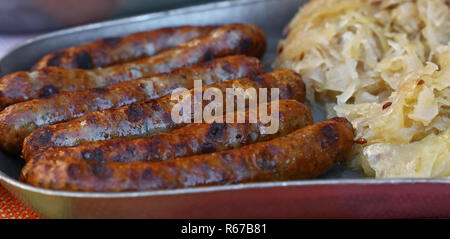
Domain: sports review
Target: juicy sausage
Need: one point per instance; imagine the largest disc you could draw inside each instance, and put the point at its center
(227, 40)
(19, 120)
(305, 153)
(190, 140)
(147, 118)
(117, 50)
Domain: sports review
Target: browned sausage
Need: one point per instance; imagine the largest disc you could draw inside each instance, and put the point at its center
(143, 119)
(305, 153)
(227, 40)
(193, 139)
(117, 50)
(19, 120)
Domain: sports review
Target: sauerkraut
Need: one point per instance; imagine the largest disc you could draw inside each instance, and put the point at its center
(384, 65)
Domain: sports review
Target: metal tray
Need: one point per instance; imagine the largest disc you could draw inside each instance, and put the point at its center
(20, 16)
(341, 193)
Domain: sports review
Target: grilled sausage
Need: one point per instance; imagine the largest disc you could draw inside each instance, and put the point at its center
(154, 116)
(305, 153)
(190, 140)
(19, 120)
(117, 50)
(227, 40)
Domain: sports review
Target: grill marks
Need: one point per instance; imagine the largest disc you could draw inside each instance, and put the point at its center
(48, 91)
(55, 60)
(330, 134)
(216, 130)
(258, 79)
(229, 68)
(209, 55)
(234, 39)
(95, 155)
(134, 120)
(135, 112)
(245, 44)
(45, 137)
(215, 134)
(74, 171)
(267, 162)
(101, 90)
(150, 117)
(289, 91)
(148, 175)
(84, 61)
(112, 41)
(116, 50)
(101, 170)
(305, 153)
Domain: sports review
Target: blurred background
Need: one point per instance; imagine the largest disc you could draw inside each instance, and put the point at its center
(21, 20)
(32, 16)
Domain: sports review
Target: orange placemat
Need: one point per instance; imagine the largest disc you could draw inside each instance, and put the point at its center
(11, 208)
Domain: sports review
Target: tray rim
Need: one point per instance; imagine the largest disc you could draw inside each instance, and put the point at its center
(206, 189)
(5, 179)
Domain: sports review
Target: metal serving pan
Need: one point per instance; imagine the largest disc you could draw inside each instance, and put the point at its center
(340, 193)
(20, 16)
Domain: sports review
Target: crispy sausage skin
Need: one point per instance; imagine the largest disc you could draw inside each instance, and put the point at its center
(305, 153)
(117, 50)
(193, 139)
(232, 39)
(147, 118)
(19, 120)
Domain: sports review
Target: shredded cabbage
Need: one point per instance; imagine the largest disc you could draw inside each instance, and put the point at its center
(384, 65)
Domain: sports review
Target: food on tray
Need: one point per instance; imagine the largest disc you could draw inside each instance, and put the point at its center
(19, 120)
(384, 65)
(191, 140)
(223, 41)
(305, 153)
(140, 124)
(151, 117)
(117, 50)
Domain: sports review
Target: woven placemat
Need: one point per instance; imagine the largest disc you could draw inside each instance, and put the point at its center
(11, 208)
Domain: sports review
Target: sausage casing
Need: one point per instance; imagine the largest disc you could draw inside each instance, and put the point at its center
(232, 39)
(305, 153)
(117, 50)
(147, 118)
(193, 139)
(19, 120)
